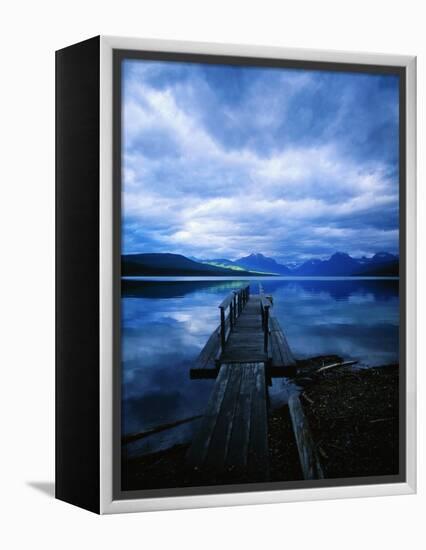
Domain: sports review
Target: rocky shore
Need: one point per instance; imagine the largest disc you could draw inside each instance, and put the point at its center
(352, 414)
(353, 417)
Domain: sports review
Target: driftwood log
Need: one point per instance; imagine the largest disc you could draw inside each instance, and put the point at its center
(335, 365)
(308, 456)
(140, 435)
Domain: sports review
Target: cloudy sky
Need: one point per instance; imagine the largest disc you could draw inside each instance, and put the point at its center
(221, 161)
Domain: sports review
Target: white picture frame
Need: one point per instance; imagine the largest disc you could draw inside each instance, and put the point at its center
(104, 370)
(108, 504)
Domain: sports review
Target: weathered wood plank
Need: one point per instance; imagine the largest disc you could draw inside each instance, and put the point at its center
(258, 455)
(205, 364)
(246, 341)
(239, 440)
(208, 353)
(129, 438)
(232, 439)
(201, 442)
(219, 441)
(281, 352)
(309, 460)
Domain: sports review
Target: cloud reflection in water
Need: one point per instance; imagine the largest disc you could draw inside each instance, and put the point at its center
(165, 325)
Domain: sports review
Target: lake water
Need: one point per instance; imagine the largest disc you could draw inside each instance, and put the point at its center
(167, 320)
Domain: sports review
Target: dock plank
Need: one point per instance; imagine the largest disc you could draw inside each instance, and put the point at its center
(201, 443)
(245, 343)
(282, 359)
(258, 448)
(308, 456)
(209, 351)
(205, 364)
(232, 440)
(238, 444)
(220, 438)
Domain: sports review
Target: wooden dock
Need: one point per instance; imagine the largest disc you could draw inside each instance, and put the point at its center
(246, 340)
(246, 349)
(248, 333)
(232, 440)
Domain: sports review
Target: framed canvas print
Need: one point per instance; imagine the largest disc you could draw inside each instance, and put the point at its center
(235, 274)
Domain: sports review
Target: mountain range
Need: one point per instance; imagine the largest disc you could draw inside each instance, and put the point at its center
(157, 264)
(254, 262)
(381, 264)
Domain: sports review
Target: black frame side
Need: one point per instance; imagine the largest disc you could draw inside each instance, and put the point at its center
(77, 274)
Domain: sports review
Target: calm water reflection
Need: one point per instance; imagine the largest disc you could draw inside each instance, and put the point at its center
(166, 323)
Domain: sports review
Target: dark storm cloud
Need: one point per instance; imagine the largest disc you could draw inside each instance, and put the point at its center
(219, 161)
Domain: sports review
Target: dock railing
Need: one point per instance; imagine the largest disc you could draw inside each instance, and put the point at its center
(230, 310)
(265, 305)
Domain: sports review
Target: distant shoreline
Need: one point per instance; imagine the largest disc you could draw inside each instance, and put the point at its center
(255, 277)
(257, 265)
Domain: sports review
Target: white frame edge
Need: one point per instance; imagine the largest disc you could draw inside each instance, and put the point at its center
(107, 503)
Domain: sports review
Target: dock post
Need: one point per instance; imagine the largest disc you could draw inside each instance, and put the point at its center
(222, 328)
(266, 327)
(231, 314)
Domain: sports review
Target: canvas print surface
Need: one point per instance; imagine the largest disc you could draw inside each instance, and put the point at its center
(260, 311)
